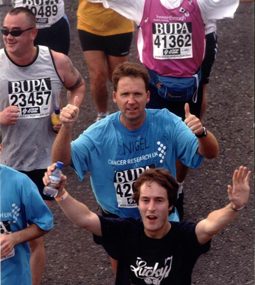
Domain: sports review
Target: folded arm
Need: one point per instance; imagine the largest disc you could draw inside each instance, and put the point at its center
(10, 240)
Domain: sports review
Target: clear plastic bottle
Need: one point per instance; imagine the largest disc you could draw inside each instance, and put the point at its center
(50, 190)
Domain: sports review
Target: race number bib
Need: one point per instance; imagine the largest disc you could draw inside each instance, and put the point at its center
(33, 97)
(124, 192)
(43, 11)
(123, 182)
(172, 40)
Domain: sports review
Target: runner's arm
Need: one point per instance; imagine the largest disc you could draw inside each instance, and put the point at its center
(238, 197)
(217, 9)
(10, 240)
(71, 78)
(208, 144)
(77, 212)
(61, 148)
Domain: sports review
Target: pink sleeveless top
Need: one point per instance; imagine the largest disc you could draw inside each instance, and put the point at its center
(174, 39)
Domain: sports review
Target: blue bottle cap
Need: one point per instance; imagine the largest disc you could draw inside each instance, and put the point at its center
(59, 164)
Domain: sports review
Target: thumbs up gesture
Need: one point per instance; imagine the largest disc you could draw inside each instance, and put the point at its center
(192, 121)
(69, 114)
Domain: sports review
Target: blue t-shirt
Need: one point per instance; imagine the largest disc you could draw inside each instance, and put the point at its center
(21, 204)
(116, 156)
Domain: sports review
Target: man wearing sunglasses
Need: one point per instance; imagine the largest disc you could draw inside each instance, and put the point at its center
(14, 33)
(31, 79)
(51, 22)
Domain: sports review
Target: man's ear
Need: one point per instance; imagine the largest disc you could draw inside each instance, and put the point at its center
(114, 96)
(148, 96)
(170, 208)
(34, 33)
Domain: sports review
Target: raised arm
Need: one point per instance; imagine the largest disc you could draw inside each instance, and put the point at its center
(61, 148)
(238, 194)
(75, 85)
(218, 9)
(77, 212)
(208, 144)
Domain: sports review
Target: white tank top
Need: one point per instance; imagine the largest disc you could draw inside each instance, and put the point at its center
(35, 89)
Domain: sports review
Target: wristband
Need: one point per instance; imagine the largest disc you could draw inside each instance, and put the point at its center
(62, 197)
(232, 206)
(203, 134)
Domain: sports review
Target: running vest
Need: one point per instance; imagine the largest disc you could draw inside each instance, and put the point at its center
(35, 89)
(46, 12)
(174, 39)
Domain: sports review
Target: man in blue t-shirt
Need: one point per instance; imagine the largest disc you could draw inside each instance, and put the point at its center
(154, 250)
(24, 217)
(117, 149)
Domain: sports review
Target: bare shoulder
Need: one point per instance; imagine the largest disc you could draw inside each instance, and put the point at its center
(61, 60)
(65, 68)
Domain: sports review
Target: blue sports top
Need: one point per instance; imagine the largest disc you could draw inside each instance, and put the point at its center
(116, 156)
(20, 204)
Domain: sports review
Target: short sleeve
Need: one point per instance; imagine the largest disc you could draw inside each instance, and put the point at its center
(37, 212)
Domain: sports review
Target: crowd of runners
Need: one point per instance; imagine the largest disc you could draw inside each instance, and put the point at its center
(159, 124)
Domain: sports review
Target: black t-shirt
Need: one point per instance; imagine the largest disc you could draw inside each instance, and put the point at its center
(143, 260)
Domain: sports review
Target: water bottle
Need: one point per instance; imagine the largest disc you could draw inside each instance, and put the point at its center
(55, 177)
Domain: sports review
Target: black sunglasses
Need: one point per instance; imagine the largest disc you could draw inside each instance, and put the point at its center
(14, 33)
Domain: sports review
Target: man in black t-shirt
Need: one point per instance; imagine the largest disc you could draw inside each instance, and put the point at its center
(154, 250)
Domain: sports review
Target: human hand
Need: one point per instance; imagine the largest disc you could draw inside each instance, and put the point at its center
(7, 243)
(69, 114)
(239, 191)
(46, 178)
(9, 115)
(192, 121)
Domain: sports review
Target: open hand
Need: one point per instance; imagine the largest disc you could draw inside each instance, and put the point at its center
(239, 191)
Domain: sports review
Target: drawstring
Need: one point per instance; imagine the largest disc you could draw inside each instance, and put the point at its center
(194, 98)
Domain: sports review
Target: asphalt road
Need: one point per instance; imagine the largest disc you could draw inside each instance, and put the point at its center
(72, 256)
